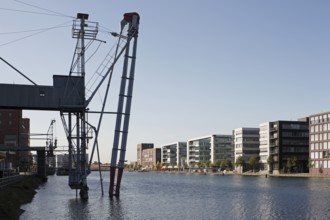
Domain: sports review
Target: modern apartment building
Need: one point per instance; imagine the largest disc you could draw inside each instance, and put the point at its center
(246, 143)
(320, 143)
(150, 157)
(264, 146)
(289, 141)
(140, 148)
(147, 155)
(175, 153)
(209, 148)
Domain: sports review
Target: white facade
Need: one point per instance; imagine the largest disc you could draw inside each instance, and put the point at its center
(209, 148)
(319, 143)
(264, 145)
(246, 143)
(174, 153)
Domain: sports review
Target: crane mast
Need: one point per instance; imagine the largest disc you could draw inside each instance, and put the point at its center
(68, 95)
(124, 104)
(75, 122)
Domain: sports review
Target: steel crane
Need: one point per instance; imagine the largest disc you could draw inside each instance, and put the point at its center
(75, 122)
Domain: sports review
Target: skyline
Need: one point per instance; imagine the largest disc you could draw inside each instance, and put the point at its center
(204, 68)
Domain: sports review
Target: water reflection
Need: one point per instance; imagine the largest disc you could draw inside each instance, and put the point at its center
(78, 209)
(173, 196)
(116, 211)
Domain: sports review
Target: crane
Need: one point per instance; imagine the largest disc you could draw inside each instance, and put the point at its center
(51, 141)
(70, 96)
(75, 122)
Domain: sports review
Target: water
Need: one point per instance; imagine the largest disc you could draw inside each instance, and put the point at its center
(185, 196)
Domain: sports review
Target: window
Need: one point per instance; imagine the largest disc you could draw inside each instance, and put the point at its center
(326, 154)
(312, 137)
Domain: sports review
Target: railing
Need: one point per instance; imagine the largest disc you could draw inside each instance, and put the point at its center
(6, 181)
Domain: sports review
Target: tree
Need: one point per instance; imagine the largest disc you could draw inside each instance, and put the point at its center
(159, 166)
(270, 162)
(289, 164)
(200, 165)
(310, 163)
(239, 161)
(295, 163)
(223, 164)
(217, 163)
(137, 166)
(229, 164)
(253, 161)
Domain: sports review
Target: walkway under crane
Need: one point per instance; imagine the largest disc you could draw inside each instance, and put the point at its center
(68, 95)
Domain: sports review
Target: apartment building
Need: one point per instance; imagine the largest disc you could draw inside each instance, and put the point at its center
(150, 157)
(147, 155)
(319, 143)
(264, 146)
(289, 140)
(140, 148)
(174, 153)
(246, 143)
(209, 148)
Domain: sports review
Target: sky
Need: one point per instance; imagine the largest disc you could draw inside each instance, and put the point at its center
(202, 67)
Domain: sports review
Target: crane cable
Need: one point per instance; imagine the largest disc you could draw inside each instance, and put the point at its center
(54, 12)
(39, 32)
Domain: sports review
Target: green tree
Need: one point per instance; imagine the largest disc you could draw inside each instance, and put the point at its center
(295, 163)
(289, 164)
(223, 164)
(270, 162)
(159, 166)
(229, 164)
(239, 161)
(310, 164)
(253, 161)
(217, 163)
(200, 165)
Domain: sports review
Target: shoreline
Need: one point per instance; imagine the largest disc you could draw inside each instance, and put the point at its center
(15, 195)
(294, 175)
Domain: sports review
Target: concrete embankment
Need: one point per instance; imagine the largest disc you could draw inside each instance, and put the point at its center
(15, 195)
(307, 175)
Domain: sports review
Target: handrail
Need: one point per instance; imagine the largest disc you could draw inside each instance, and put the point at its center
(6, 181)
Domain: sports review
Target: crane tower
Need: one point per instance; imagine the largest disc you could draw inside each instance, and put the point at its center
(68, 95)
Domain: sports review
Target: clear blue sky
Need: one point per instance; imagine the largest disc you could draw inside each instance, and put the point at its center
(203, 67)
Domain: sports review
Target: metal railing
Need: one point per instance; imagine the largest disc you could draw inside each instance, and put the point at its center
(9, 180)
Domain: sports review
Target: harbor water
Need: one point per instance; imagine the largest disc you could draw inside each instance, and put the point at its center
(149, 195)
